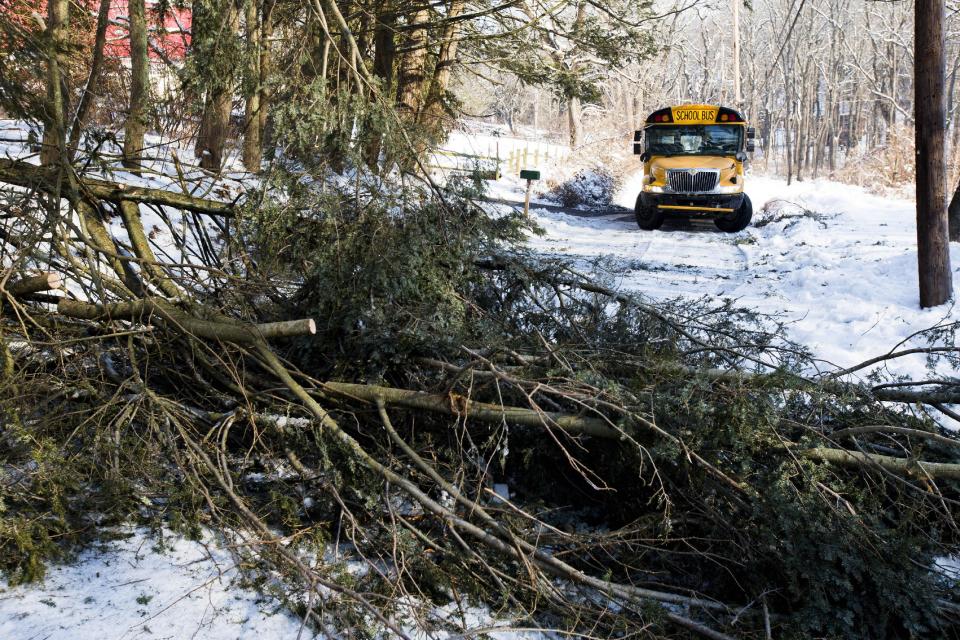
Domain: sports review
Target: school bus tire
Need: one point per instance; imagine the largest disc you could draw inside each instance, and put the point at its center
(739, 219)
(649, 217)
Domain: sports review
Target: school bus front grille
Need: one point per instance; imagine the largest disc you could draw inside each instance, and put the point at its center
(693, 180)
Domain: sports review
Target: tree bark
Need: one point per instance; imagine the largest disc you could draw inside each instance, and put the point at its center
(384, 46)
(266, 67)
(933, 247)
(54, 126)
(36, 284)
(215, 121)
(136, 125)
(434, 110)
(411, 80)
(252, 154)
(384, 57)
(446, 57)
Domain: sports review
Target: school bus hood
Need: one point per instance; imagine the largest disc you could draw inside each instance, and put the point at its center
(691, 162)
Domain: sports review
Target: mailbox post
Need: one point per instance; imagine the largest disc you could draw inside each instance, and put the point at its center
(528, 175)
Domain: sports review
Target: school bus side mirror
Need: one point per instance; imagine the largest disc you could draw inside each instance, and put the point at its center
(638, 143)
(751, 133)
(751, 146)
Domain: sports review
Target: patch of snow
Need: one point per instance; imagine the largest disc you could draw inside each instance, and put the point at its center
(127, 589)
(844, 281)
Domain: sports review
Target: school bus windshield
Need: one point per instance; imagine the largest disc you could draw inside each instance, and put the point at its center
(694, 140)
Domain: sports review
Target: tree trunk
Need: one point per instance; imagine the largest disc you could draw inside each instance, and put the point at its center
(215, 121)
(252, 135)
(266, 69)
(933, 247)
(384, 57)
(136, 125)
(574, 121)
(411, 90)
(433, 112)
(96, 65)
(54, 131)
(384, 47)
(447, 56)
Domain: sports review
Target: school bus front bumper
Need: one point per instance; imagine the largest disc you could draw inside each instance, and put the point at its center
(693, 203)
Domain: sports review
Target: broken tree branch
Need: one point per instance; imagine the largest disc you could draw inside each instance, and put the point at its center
(23, 174)
(903, 466)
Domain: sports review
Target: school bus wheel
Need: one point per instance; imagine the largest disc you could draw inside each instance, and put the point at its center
(739, 219)
(649, 216)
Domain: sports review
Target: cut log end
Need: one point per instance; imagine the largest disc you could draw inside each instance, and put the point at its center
(36, 284)
(288, 329)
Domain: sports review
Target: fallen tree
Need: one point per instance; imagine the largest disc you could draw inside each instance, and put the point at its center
(673, 423)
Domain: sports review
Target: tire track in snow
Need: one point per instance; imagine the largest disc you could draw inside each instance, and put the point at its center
(689, 260)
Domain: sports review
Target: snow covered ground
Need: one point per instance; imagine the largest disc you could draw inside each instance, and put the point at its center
(137, 589)
(129, 589)
(843, 276)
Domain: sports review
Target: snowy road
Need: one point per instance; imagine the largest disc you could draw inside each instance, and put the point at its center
(836, 263)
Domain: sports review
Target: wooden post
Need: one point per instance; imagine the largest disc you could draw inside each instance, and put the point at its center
(529, 176)
(933, 246)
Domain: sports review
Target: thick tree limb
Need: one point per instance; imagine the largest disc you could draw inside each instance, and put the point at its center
(455, 404)
(35, 284)
(903, 466)
(143, 309)
(24, 174)
(130, 212)
(880, 428)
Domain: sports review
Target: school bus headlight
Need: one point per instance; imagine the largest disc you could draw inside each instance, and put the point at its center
(733, 189)
(653, 189)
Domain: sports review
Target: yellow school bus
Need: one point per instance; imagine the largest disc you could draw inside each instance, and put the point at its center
(693, 158)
